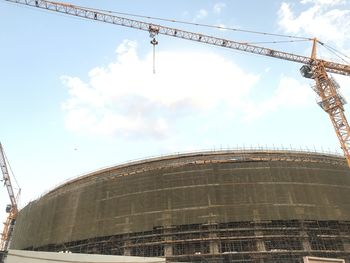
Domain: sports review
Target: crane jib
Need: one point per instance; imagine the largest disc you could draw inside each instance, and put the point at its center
(98, 15)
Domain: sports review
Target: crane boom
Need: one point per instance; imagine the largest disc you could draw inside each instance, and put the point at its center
(12, 209)
(326, 88)
(92, 14)
(6, 177)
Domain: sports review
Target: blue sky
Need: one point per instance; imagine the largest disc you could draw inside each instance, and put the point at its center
(79, 95)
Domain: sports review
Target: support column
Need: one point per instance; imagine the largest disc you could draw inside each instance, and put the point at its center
(166, 221)
(127, 249)
(346, 242)
(211, 225)
(127, 242)
(305, 241)
(260, 245)
(168, 246)
(213, 244)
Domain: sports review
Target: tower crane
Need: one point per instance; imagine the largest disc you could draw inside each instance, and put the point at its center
(314, 68)
(11, 209)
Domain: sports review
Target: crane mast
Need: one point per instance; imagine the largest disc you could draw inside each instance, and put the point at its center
(325, 87)
(331, 101)
(11, 209)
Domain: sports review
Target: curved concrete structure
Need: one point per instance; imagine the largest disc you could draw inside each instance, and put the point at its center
(222, 206)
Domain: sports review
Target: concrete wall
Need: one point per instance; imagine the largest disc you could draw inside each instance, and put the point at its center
(322, 260)
(19, 256)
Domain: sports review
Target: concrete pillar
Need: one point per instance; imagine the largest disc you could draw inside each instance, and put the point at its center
(260, 245)
(305, 241)
(211, 225)
(166, 221)
(168, 246)
(346, 242)
(127, 243)
(127, 250)
(214, 244)
(168, 250)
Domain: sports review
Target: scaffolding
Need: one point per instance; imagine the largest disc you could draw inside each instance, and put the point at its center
(226, 206)
(265, 241)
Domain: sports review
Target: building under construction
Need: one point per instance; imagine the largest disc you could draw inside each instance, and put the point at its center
(225, 206)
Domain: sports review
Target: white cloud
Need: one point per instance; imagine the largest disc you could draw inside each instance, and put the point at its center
(322, 20)
(324, 2)
(125, 99)
(218, 7)
(289, 93)
(202, 13)
(344, 82)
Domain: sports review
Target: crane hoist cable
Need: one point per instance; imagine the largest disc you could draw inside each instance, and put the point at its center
(154, 42)
(192, 23)
(337, 53)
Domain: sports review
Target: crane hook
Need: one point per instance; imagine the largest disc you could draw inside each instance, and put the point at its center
(154, 42)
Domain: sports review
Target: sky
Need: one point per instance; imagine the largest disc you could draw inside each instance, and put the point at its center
(80, 95)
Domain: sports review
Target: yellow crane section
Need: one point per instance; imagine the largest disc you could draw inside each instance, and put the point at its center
(326, 88)
(12, 208)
